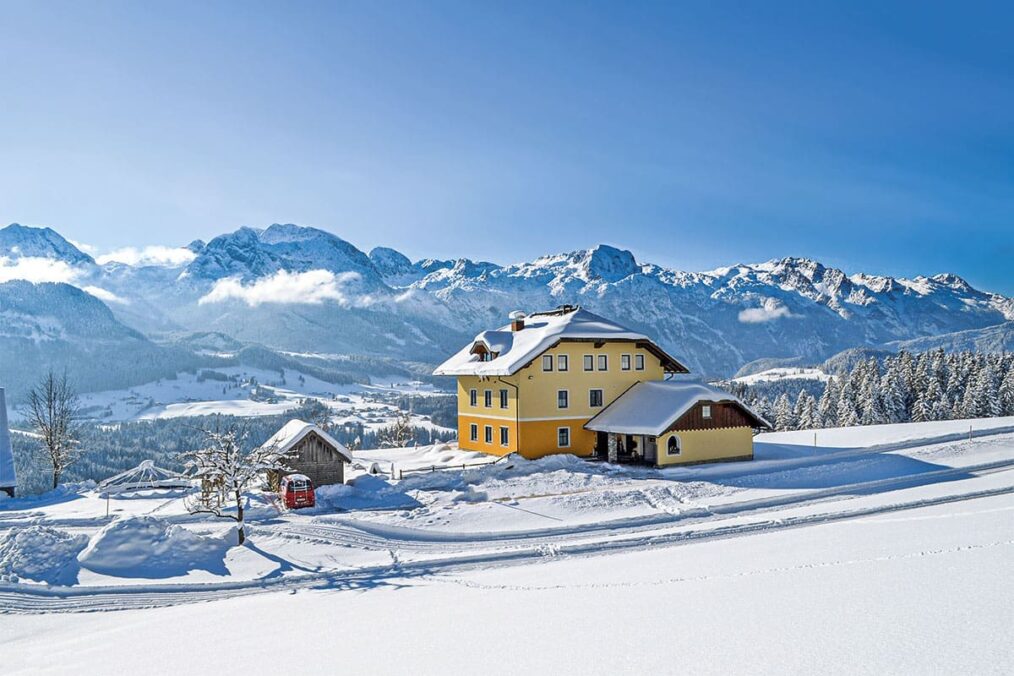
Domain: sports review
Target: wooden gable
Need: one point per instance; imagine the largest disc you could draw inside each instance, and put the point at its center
(313, 448)
(723, 414)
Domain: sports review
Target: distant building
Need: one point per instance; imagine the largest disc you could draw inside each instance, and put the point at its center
(8, 479)
(315, 453)
(570, 381)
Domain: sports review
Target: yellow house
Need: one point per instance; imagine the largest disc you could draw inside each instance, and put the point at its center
(562, 381)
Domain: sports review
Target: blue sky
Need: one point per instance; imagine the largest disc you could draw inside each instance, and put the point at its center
(874, 138)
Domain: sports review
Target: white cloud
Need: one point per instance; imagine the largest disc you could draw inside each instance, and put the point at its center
(312, 288)
(771, 310)
(37, 270)
(104, 295)
(81, 246)
(163, 256)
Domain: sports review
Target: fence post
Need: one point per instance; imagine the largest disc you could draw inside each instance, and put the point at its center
(969, 432)
(814, 439)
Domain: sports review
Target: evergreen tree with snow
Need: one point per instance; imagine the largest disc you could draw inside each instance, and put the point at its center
(1006, 392)
(848, 409)
(784, 418)
(805, 411)
(827, 408)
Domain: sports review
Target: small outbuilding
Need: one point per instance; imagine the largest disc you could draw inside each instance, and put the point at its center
(673, 422)
(8, 477)
(314, 452)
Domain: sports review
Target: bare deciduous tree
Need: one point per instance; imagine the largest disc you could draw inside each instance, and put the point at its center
(399, 433)
(226, 471)
(52, 413)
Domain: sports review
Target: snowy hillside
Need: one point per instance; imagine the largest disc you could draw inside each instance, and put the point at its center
(304, 289)
(59, 326)
(841, 553)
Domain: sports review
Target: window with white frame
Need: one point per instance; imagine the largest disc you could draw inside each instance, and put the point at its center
(563, 437)
(673, 446)
(547, 362)
(489, 434)
(504, 436)
(562, 362)
(473, 397)
(503, 398)
(473, 432)
(706, 410)
(562, 399)
(624, 362)
(589, 362)
(595, 398)
(487, 397)
(639, 362)
(603, 362)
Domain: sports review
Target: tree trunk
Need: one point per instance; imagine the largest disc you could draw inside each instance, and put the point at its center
(239, 517)
(56, 478)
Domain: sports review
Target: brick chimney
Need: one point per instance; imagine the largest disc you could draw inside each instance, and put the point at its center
(517, 320)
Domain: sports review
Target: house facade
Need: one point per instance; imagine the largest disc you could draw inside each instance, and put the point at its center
(533, 386)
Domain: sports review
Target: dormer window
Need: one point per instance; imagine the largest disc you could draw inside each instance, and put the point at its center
(480, 350)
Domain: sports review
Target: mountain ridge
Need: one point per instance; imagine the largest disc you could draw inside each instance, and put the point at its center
(343, 300)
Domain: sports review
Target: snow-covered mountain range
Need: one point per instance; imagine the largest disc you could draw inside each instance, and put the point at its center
(302, 289)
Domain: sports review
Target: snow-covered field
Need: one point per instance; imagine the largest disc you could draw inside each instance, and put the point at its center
(254, 392)
(782, 373)
(879, 550)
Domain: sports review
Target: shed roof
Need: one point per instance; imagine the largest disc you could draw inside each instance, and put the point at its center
(295, 430)
(652, 407)
(542, 331)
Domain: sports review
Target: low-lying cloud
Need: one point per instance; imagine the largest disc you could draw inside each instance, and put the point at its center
(105, 295)
(308, 288)
(37, 270)
(161, 256)
(768, 312)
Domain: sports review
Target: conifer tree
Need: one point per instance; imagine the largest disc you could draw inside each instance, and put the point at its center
(827, 409)
(784, 419)
(848, 413)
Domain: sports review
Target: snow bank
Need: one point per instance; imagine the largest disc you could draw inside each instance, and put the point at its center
(146, 546)
(364, 492)
(61, 493)
(40, 553)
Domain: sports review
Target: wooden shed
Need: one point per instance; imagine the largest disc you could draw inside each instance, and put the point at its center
(314, 452)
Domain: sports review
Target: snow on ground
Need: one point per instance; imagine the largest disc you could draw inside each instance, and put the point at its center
(243, 391)
(880, 550)
(776, 374)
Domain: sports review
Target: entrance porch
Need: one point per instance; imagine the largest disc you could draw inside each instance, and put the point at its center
(628, 449)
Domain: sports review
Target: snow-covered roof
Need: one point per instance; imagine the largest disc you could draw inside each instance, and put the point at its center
(293, 432)
(7, 476)
(542, 331)
(651, 407)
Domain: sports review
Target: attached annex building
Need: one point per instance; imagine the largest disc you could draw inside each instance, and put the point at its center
(570, 381)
